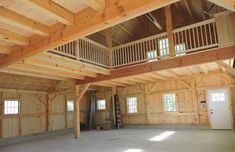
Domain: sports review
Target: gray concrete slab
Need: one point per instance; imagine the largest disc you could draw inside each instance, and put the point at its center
(131, 140)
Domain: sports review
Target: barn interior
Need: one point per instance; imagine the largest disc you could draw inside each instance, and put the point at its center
(117, 75)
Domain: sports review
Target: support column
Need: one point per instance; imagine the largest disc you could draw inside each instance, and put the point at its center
(1, 114)
(114, 91)
(78, 97)
(47, 112)
(195, 100)
(169, 27)
(76, 113)
(108, 33)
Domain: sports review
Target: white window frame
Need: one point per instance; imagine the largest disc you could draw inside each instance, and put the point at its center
(99, 106)
(180, 49)
(165, 105)
(133, 105)
(6, 110)
(164, 47)
(68, 106)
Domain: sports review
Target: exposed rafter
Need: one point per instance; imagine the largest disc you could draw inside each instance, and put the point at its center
(95, 4)
(153, 20)
(23, 22)
(11, 37)
(54, 10)
(228, 4)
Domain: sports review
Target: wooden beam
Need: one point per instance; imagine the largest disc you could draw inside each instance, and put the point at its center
(169, 27)
(78, 97)
(154, 21)
(32, 74)
(95, 4)
(22, 91)
(11, 37)
(45, 71)
(180, 61)
(203, 68)
(228, 4)
(5, 49)
(188, 6)
(108, 36)
(54, 10)
(23, 22)
(86, 22)
(226, 67)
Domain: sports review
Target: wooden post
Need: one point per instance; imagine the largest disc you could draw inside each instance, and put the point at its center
(195, 100)
(20, 116)
(169, 27)
(78, 97)
(47, 113)
(114, 91)
(108, 33)
(65, 112)
(77, 49)
(1, 114)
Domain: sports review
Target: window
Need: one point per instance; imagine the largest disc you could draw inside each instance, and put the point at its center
(11, 107)
(152, 55)
(218, 97)
(132, 104)
(101, 104)
(70, 106)
(180, 49)
(164, 47)
(169, 102)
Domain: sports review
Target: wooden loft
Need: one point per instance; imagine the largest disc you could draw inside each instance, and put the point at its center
(24, 39)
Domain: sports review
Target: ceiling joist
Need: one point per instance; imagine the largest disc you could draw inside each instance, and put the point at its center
(11, 37)
(54, 10)
(95, 4)
(23, 22)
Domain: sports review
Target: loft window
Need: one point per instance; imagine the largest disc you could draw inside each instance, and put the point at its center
(169, 102)
(101, 105)
(11, 107)
(132, 105)
(164, 47)
(70, 106)
(152, 55)
(180, 49)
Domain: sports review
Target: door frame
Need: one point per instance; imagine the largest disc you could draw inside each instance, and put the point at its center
(229, 104)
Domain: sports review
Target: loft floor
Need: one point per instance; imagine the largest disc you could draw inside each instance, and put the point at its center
(132, 140)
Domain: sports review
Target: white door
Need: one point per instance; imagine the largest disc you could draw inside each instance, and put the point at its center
(219, 109)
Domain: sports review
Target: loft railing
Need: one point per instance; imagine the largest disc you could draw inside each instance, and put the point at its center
(187, 39)
(92, 52)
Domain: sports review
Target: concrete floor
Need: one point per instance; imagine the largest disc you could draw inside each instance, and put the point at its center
(131, 140)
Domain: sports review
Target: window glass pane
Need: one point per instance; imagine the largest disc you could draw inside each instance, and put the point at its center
(169, 102)
(101, 104)
(164, 47)
(70, 106)
(152, 55)
(180, 49)
(218, 97)
(132, 104)
(11, 106)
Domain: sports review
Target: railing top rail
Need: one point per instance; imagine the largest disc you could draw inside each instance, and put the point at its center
(95, 43)
(141, 40)
(194, 25)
